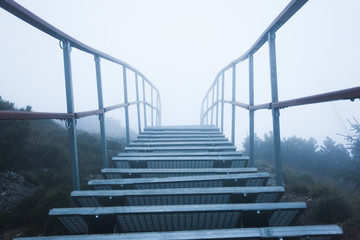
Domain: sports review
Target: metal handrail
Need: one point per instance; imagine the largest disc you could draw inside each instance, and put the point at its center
(275, 105)
(32, 19)
(23, 115)
(237, 104)
(29, 17)
(279, 21)
(282, 18)
(66, 43)
(345, 94)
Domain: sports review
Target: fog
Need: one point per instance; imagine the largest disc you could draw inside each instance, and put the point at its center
(180, 46)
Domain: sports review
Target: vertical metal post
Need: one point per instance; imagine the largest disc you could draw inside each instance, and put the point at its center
(144, 100)
(159, 107)
(222, 100)
(156, 109)
(212, 104)
(152, 109)
(126, 107)
(101, 116)
(137, 99)
(217, 102)
(251, 112)
(275, 111)
(232, 104)
(71, 123)
(207, 108)
(202, 113)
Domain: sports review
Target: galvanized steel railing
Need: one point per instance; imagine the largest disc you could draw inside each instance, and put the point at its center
(66, 43)
(275, 105)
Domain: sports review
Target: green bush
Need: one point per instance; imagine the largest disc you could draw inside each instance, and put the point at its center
(298, 184)
(320, 190)
(300, 189)
(306, 179)
(39, 150)
(332, 209)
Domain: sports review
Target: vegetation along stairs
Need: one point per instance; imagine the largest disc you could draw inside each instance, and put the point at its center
(184, 182)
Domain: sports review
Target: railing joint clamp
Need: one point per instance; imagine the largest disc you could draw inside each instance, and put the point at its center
(276, 112)
(97, 58)
(101, 117)
(61, 44)
(69, 123)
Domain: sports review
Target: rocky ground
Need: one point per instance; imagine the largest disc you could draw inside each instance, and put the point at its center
(13, 189)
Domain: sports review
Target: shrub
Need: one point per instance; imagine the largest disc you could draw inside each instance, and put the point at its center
(332, 209)
(298, 184)
(300, 189)
(320, 190)
(306, 179)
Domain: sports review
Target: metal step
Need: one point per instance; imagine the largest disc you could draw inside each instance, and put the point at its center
(320, 232)
(181, 149)
(186, 143)
(181, 161)
(179, 132)
(180, 154)
(116, 173)
(209, 135)
(182, 127)
(228, 180)
(154, 140)
(177, 217)
(181, 196)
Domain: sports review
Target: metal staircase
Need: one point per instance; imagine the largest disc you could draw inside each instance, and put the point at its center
(179, 182)
(184, 182)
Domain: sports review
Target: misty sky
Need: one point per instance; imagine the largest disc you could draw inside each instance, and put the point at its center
(180, 46)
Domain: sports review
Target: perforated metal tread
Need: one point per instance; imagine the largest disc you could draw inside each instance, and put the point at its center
(181, 149)
(182, 154)
(186, 143)
(177, 217)
(169, 135)
(180, 139)
(116, 173)
(181, 132)
(228, 180)
(319, 232)
(180, 196)
(181, 162)
(182, 128)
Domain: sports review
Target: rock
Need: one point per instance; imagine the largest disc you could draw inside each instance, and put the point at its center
(14, 189)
